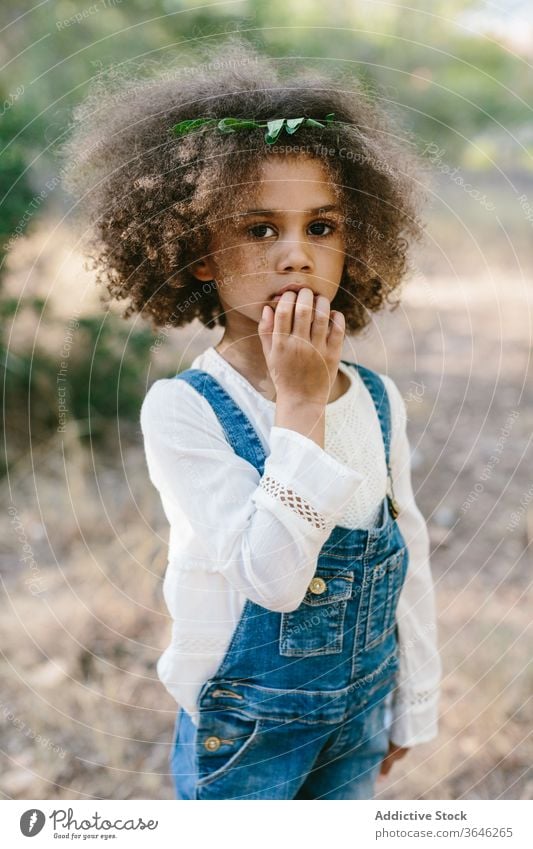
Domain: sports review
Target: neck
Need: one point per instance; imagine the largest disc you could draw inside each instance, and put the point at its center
(245, 354)
(242, 347)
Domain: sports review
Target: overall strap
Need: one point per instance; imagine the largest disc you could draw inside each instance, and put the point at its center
(238, 428)
(378, 392)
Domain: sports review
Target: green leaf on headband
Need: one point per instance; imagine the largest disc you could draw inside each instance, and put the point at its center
(273, 130)
(292, 124)
(229, 125)
(310, 122)
(190, 124)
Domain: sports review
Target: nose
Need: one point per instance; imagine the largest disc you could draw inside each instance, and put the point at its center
(294, 256)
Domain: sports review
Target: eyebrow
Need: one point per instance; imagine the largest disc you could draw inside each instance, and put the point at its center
(315, 211)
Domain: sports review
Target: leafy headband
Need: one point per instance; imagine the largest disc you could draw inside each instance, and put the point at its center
(273, 128)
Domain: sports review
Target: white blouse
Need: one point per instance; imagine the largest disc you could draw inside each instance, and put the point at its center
(228, 526)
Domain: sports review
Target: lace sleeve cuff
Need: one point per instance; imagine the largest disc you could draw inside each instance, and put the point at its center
(415, 716)
(294, 501)
(306, 479)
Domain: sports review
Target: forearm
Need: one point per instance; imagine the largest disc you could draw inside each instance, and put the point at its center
(307, 418)
(262, 532)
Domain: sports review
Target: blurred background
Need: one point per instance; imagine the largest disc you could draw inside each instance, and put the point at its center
(83, 535)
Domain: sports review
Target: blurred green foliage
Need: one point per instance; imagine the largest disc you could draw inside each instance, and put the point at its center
(19, 142)
(448, 85)
(100, 385)
(447, 81)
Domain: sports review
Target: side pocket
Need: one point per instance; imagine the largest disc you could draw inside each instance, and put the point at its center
(385, 582)
(224, 737)
(316, 626)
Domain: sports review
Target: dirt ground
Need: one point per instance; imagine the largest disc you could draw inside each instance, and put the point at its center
(83, 714)
(471, 439)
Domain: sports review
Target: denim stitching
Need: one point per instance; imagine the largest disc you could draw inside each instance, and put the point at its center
(350, 546)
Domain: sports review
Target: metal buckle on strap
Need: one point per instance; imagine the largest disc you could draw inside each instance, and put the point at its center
(393, 504)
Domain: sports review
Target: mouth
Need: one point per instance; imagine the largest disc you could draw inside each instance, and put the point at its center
(290, 287)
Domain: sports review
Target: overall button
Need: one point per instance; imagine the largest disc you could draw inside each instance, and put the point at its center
(318, 586)
(212, 744)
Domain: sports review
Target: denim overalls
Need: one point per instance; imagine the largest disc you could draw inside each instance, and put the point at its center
(296, 709)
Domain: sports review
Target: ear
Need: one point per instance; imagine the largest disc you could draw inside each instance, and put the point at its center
(203, 270)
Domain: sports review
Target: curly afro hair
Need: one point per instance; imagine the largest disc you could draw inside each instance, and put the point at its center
(148, 201)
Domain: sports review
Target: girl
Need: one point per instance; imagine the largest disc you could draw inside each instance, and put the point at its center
(278, 205)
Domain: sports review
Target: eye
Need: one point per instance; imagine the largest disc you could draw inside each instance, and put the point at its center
(322, 224)
(258, 230)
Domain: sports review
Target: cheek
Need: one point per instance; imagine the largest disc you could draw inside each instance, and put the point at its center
(333, 254)
(241, 261)
(339, 251)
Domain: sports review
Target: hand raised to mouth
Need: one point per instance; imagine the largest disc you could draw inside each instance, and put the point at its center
(302, 344)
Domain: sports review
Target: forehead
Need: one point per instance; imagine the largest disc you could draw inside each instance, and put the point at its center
(292, 183)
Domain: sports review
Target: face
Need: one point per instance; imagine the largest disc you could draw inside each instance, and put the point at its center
(291, 235)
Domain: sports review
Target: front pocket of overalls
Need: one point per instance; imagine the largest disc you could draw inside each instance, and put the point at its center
(316, 626)
(223, 738)
(385, 581)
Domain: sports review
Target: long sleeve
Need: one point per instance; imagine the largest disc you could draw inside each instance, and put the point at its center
(262, 533)
(416, 699)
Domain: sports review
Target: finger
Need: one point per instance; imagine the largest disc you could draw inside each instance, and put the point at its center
(337, 327)
(386, 763)
(266, 322)
(385, 766)
(265, 328)
(303, 314)
(319, 329)
(397, 751)
(284, 313)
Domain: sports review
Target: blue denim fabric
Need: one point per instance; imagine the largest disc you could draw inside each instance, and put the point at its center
(298, 708)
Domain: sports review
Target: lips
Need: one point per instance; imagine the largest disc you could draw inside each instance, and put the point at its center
(290, 287)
